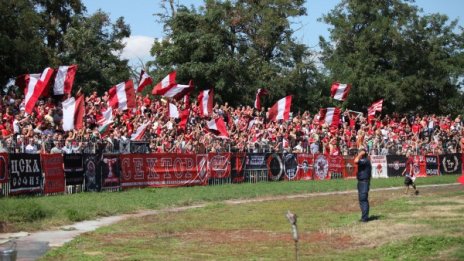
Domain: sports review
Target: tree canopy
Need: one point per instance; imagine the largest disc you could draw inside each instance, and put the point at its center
(387, 50)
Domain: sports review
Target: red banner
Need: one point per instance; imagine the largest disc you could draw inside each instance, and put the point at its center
(305, 166)
(351, 169)
(219, 165)
(3, 168)
(419, 167)
(163, 170)
(52, 166)
(336, 166)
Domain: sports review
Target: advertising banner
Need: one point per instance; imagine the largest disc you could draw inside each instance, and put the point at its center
(25, 173)
(432, 165)
(379, 166)
(53, 172)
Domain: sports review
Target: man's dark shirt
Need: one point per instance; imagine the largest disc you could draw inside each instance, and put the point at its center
(364, 169)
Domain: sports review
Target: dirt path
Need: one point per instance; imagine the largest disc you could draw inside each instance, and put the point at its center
(32, 246)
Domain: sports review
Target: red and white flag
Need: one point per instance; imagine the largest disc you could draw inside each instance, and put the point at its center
(339, 91)
(375, 107)
(205, 102)
(122, 96)
(173, 112)
(178, 90)
(218, 128)
(64, 79)
(162, 87)
(73, 113)
(281, 109)
(330, 116)
(140, 132)
(259, 93)
(35, 87)
(144, 81)
(107, 117)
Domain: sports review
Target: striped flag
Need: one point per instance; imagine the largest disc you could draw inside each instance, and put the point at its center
(330, 116)
(162, 87)
(281, 109)
(122, 96)
(205, 102)
(173, 112)
(64, 79)
(140, 132)
(35, 87)
(73, 113)
(218, 128)
(375, 107)
(339, 91)
(259, 93)
(144, 81)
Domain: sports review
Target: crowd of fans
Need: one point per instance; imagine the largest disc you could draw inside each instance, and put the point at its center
(249, 130)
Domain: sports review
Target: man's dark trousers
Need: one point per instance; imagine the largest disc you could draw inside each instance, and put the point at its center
(363, 194)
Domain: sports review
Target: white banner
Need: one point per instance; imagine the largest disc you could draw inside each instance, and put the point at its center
(379, 167)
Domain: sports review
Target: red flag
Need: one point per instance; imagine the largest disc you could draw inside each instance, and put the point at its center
(64, 79)
(375, 107)
(140, 132)
(330, 116)
(259, 93)
(178, 90)
(218, 128)
(122, 96)
(281, 109)
(162, 87)
(73, 113)
(339, 91)
(184, 115)
(35, 87)
(187, 101)
(144, 81)
(205, 102)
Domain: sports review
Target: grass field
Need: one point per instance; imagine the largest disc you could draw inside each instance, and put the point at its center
(38, 213)
(406, 227)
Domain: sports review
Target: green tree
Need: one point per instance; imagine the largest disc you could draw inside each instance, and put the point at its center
(237, 47)
(387, 50)
(94, 44)
(22, 49)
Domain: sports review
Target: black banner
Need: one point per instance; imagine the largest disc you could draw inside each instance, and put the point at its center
(432, 165)
(25, 173)
(451, 164)
(275, 166)
(110, 171)
(139, 147)
(92, 172)
(291, 166)
(237, 161)
(395, 165)
(73, 169)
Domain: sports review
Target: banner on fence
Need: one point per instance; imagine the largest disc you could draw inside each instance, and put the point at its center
(419, 166)
(219, 165)
(290, 166)
(3, 168)
(336, 166)
(379, 166)
(275, 166)
(25, 173)
(73, 169)
(321, 167)
(53, 171)
(110, 171)
(351, 168)
(92, 172)
(396, 165)
(451, 164)
(237, 167)
(432, 167)
(305, 166)
(163, 170)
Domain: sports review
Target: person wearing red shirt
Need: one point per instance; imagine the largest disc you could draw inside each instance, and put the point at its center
(408, 172)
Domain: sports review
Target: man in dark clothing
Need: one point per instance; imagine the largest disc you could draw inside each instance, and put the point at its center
(364, 178)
